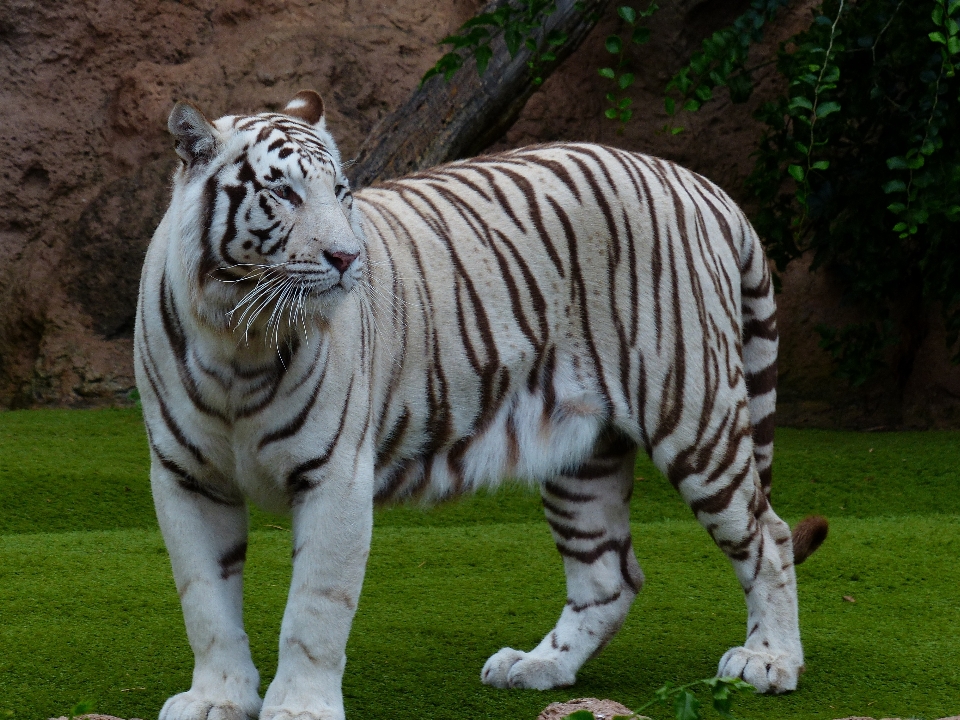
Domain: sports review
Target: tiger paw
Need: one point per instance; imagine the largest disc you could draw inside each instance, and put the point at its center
(193, 705)
(511, 668)
(767, 673)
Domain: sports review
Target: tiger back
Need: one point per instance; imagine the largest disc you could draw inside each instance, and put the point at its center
(540, 314)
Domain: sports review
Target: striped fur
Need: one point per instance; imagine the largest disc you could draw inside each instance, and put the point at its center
(539, 314)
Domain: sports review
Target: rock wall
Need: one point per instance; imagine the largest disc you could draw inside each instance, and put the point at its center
(83, 109)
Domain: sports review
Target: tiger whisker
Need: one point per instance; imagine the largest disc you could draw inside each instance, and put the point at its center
(276, 317)
(266, 301)
(250, 299)
(256, 301)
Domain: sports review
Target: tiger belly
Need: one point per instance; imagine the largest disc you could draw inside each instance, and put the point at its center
(533, 436)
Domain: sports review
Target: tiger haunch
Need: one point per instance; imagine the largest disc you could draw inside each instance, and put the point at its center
(539, 314)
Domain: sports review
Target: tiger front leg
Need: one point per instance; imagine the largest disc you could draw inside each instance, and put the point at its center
(332, 523)
(588, 513)
(206, 537)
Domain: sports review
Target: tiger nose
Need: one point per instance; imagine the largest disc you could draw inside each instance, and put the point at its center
(340, 260)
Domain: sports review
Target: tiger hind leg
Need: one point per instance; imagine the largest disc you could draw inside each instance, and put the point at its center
(732, 506)
(588, 512)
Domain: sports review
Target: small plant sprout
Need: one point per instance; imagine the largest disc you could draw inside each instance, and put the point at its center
(685, 704)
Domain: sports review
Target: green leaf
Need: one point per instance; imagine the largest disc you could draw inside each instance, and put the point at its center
(703, 92)
(897, 163)
(820, 165)
(928, 147)
(691, 105)
(625, 81)
(607, 73)
(670, 105)
(630, 15)
(625, 115)
(900, 227)
(741, 87)
(556, 38)
(735, 682)
(800, 102)
(614, 44)
(483, 19)
(548, 57)
(531, 44)
(827, 109)
(514, 39)
(81, 708)
(640, 35)
(937, 14)
(801, 148)
(896, 208)
(611, 113)
(676, 130)
(625, 102)
(953, 45)
(580, 715)
(894, 186)
(686, 706)
(796, 172)
(938, 37)
(953, 7)
(483, 55)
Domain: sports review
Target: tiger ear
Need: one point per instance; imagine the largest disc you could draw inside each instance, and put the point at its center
(195, 135)
(306, 105)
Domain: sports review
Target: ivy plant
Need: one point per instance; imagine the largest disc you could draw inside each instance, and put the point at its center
(860, 168)
(635, 33)
(721, 61)
(522, 23)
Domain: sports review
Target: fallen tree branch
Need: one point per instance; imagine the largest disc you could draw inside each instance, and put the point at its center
(443, 121)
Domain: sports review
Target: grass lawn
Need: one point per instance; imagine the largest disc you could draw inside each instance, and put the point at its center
(88, 609)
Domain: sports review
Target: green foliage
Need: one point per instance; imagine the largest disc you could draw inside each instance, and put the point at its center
(721, 62)
(632, 32)
(685, 704)
(869, 136)
(522, 24)
(81, 708)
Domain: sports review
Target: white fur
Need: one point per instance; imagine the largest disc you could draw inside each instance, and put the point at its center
(403, 326)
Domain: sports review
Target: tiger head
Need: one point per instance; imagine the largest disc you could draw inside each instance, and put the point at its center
(263, 214)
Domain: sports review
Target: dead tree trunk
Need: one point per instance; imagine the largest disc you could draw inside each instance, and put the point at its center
(443, 121)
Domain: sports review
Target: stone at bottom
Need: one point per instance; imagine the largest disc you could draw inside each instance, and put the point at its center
(601, 709)
(93, 717)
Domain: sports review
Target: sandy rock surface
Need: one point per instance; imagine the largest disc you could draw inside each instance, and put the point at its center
(88, 85)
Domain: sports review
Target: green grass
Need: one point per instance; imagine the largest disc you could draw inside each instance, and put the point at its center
(88, 608)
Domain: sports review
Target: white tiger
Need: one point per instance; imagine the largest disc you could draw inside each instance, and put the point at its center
(537, 314)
